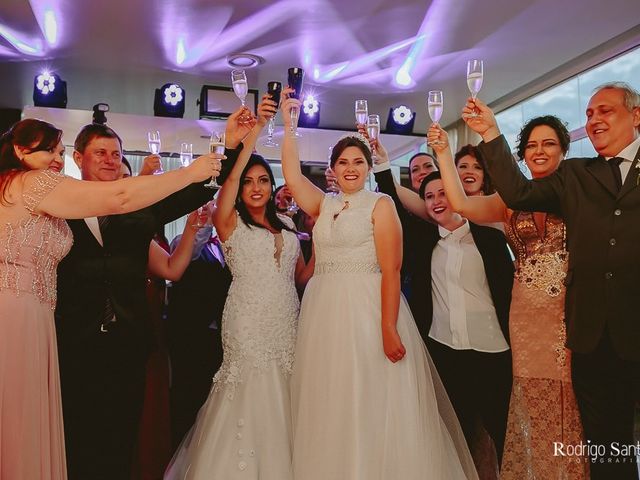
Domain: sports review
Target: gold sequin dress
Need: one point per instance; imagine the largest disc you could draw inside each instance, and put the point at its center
(31, 245)
(543, 408)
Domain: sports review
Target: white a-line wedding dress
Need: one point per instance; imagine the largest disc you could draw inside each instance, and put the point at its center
(243, 431)
(356, 415)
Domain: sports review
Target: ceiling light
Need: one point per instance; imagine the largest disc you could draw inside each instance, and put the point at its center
(244, 60)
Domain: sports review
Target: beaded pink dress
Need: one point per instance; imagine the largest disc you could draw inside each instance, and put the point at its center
(31, 245)
(543, 406)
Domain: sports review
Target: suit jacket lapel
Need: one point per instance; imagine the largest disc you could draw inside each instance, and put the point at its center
(601, 171)
(631, 181)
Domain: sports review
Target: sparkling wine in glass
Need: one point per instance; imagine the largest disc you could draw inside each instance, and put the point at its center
(475, 75)
(292, 206)
(362, 112)
(275, 90)
(435, 105)
(240, 85)
(373, 129)
(295, 79)
(186, 154)
(216, 145)
(153, 138)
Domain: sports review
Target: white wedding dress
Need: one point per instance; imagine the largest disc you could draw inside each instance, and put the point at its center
(243, 431)
(356, 415)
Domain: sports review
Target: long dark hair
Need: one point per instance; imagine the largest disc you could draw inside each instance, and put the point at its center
(271, 212)
(487, 186)
(31, 134)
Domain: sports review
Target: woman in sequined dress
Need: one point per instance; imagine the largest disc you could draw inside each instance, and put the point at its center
(34, 199)
(243, 431)
(543, 408)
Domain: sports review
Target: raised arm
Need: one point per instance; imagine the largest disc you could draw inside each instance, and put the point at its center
(172, 266)
(306, 194)
(79, 199)
(406, 200)
(478, 209)
(387, 234)
(224, 215)
(518, 193)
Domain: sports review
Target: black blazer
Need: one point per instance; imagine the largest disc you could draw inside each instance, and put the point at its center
(603, 241)
(420, 238)
(90, 273)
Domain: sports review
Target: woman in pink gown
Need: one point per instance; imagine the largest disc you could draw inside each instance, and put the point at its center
(34, 199)
(543, 407)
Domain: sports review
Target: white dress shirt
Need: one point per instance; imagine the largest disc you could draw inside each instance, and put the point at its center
(628, 154)
(464, 317)
(92, 223)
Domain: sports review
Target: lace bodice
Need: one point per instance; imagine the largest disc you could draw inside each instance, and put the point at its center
(343, 233)
(32, 245)
(261, 311)
(541, 261)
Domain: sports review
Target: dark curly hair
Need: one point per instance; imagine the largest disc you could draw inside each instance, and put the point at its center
(31, 134)
(346, 142)
(271, 212)
(550, 121)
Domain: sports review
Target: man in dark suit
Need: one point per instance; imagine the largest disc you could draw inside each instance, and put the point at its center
(194, 318)
(599, 199)
(102, 316)
(475, 361)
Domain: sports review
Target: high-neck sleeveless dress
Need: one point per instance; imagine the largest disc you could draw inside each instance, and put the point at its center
(357, 415)
(31, 245)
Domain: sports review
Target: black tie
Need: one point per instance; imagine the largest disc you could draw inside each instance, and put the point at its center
(614, 163)
(107, 311)
(103, 223)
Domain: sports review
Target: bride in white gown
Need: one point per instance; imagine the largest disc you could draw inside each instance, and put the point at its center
(367, 402)
(243, 431)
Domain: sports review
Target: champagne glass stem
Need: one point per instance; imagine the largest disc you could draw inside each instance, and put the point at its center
(294, 121)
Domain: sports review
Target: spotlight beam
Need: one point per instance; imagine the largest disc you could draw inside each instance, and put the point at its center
(352, 67)
(436, 16)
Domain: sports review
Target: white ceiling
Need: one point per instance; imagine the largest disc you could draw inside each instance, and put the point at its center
(355, 47)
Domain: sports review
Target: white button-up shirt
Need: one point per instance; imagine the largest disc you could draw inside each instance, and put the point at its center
(464, 317)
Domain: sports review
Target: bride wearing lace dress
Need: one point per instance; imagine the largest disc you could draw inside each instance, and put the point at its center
(367, 403)
(243, 431)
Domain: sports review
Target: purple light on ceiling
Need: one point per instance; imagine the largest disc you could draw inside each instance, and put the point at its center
(50, 27)
(32, 47)
(436, 15)
(353, 67)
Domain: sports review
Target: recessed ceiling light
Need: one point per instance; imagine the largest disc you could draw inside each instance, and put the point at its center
(244, 60)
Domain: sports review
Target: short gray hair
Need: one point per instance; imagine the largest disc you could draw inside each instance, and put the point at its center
(631, 95)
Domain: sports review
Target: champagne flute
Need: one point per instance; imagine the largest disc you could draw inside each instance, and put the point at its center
(331, 184)
(362, 112)
(292, 206)
(186, 154)
(274, 89)
(240, 85)
(153, 138)
(295, 78)
(475, 75)
(216, 145)
(435, 105)
(373, 130)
